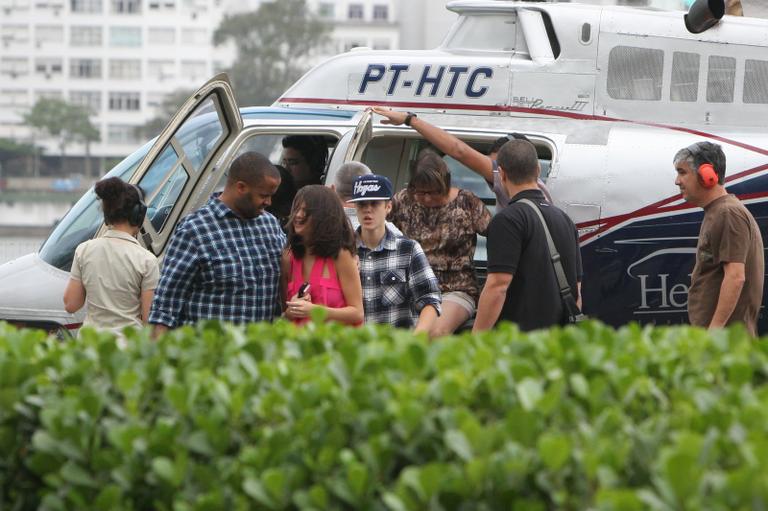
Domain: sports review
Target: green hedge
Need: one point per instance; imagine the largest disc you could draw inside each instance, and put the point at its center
(272, 417)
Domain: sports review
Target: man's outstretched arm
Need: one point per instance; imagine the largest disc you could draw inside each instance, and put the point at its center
(444, 141)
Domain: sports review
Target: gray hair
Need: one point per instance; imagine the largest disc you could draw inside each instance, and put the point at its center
(703, 152)
(346, 175)
(684, 155)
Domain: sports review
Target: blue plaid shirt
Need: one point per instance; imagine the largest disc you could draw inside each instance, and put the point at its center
(397, 281)
(220, 266)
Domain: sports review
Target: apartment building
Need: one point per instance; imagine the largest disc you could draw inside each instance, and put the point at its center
(118, 58)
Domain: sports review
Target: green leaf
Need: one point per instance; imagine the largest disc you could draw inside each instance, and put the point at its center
(177, 394)
(318, 496)
(393, 502)
(75, 474)
(554, 450)
(457, 442)
(164, 468)
(127, 380)
(108, 498)
(357, 477)
(254, 489)
(619, 500)
(44, 442)
(275, 482)
(417, 355)
(579, 385)
(529, 391)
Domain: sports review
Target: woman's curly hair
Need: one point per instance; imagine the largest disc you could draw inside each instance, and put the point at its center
(329, 228)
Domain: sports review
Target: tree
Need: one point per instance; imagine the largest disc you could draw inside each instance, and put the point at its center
(63, 121)
(170, 104)
(11, 152)
(272, 45)
(83, 131)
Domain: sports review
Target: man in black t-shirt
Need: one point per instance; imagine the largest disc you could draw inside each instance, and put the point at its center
(521, 284)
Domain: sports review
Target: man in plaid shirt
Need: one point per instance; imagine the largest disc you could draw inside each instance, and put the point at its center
(399, 286)
(223, 260)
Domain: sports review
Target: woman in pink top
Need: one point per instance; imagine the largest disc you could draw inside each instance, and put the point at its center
(320, 253)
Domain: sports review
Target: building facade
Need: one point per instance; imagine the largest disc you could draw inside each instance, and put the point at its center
(118, 58)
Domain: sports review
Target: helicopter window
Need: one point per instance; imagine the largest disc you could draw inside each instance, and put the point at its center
(201, 133)
(162, 184)
(720, 79)
(756, 81)
(586, 33)
(485, 32)
(685, 77)
(84, 219)
(635, 73)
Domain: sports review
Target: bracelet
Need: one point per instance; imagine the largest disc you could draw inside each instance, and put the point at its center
(409, 118)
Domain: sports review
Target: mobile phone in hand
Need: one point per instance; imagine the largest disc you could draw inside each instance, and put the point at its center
(304, 289)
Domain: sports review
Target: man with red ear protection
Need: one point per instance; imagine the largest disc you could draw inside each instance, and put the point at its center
(727, 280)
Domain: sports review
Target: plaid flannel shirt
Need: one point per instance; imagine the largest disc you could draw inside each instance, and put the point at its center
(398, 281)
(220, 266)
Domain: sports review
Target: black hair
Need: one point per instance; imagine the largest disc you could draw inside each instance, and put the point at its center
(519, 161)
(499, 142)
(313, 148)
(118, 199)
(282, 200)
(251, 168)
(430, 172)
(329, 227)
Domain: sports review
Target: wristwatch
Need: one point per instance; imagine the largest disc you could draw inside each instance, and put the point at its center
(408, 118)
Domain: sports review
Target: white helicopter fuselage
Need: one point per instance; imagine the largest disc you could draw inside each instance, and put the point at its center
(607, 94)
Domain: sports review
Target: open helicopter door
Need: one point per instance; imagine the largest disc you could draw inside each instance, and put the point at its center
(190, 144)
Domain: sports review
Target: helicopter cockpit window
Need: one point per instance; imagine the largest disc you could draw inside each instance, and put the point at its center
(162, 197)
(488, 32)
(84, 219)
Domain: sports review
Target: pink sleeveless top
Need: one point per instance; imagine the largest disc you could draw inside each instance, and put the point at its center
(322, 290)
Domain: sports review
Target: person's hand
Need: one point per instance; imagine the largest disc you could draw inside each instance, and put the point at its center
(298, 308)
(393, 117)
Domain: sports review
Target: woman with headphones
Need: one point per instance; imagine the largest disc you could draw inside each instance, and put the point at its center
(113, 274)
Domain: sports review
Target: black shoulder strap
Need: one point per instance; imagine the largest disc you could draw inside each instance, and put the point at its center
(562, 281)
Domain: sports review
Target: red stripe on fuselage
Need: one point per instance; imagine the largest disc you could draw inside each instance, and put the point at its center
(519, 109)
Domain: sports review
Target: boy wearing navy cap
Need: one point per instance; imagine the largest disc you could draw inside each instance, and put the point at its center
(399, 286)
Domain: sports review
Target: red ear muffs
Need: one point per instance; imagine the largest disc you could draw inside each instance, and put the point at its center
(708, 175)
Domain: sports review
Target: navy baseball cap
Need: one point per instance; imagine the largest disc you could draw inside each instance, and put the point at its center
(371, 187)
